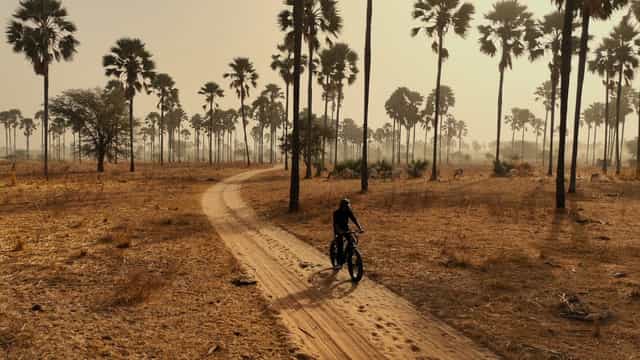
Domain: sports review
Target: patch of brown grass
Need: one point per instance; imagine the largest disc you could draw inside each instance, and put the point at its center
(173, 280)
(136, 288)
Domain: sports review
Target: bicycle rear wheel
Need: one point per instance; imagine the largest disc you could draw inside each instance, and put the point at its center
(354, 262)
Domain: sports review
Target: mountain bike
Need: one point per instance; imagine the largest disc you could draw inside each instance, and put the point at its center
(351, 255)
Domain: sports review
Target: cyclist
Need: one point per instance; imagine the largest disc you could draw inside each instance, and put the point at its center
(341, 219)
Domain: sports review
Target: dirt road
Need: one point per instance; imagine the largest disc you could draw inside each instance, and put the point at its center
(328, 316)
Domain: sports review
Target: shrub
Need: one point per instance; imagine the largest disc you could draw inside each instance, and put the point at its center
(383, 169)
(348, 168)
(416, 169)
(502, 168)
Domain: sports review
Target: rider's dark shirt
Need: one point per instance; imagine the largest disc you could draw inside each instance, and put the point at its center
(341, 219)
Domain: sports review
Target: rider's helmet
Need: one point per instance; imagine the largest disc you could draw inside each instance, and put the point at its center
(345, 203)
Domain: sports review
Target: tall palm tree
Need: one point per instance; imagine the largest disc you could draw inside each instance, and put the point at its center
(40, 29)
(589, 9)
(603, 64)
(319, 17)
(326, 78)
(130, 62)
(211, 91)
(298, 26)
(565, 75)
(544, 94)
(283, 63)
(437, 17)
(273, 93)
(28, 126)
(243, 76)
(512, 31)
(625, 63)
(163, 85)
(346, 69)
(550, 41)
(364, 172)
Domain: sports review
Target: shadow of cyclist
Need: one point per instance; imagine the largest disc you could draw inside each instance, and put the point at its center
(324, 285)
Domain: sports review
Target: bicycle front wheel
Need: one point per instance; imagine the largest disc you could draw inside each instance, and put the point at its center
(354, 261)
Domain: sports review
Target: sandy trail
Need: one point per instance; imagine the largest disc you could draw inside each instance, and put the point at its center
(328, 316)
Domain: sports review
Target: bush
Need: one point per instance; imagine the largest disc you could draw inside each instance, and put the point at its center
(502, 168)
(348, 168)
(383, 169)
(416, 169)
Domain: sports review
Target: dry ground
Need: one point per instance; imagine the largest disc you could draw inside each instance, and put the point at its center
(489, 255)
(122, 266)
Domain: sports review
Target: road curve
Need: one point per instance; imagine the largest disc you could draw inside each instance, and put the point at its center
(327, 316)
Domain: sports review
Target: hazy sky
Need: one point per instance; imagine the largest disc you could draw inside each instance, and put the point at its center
(194, 40)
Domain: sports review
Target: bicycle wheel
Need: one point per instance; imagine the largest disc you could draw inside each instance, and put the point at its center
(333, 254)
(354, 261)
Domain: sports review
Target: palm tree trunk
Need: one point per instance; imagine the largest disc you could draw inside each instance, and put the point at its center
(393, 143)
(544, 138)
(500, 97)
(309, 105)
(45, 127)
(132, 166)
(244, 127)
(621, 154)
(582, 65)
(606, 126)
(554, 86)
(564, 99)
(522, 145)
(286, 129)
(335, 154)
(326, 125)
(588, 144)
(294, 193)
(364, 172)
(617, 133)
(210, 132)
(595, 142)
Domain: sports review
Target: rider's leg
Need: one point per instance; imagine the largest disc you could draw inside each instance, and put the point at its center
(340, 246)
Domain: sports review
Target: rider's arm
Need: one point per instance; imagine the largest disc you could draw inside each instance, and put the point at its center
(355, 221)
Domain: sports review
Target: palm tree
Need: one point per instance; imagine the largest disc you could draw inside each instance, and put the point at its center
(273, 93)
(298, 26)
(588, 9)
(28, 126)
(550, 41)
(211, 91)
(163, 85)
(447, 101)
(437, 18)
(636, 11)
(130, 62)
(364, 172)
(346, 69)
(625, 63)
(544, 94)
(40, 29)
(319, 16)
(243, 76)
(284, 63)
(604, 65)
(326, 78)
(565, 75)
(512, 30)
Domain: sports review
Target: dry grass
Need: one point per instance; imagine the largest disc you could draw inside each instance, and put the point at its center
(489, 255)
(124, 266)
